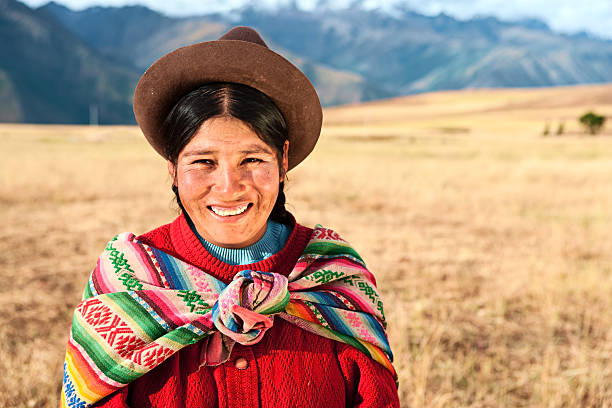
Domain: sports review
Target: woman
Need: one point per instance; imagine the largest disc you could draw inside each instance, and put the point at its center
(184, 315)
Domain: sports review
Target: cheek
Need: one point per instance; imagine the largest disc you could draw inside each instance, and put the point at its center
(193, 183)
(266, 180)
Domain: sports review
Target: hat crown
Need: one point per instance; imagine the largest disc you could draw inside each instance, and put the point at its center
(242, 33)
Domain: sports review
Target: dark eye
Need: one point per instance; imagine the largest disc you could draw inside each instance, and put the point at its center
(203, 161)
(252, 160)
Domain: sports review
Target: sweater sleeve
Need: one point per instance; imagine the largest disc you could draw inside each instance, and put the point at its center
(118, 399)
(368, 383)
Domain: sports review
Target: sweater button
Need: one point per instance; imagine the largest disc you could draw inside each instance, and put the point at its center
(241, 363)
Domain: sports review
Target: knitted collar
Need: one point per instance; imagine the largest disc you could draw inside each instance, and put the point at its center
(189, 249)
(273, 240)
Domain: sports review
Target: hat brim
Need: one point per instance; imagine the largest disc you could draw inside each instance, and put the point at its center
(187, 68)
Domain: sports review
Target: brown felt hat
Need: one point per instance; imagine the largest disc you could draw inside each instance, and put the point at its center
(239, 56)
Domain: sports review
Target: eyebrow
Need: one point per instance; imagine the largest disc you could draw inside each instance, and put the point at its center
(247, 150)
(198, 153)
(256, 149)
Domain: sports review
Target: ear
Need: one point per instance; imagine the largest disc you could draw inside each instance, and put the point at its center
(285, 160)
(172, 171)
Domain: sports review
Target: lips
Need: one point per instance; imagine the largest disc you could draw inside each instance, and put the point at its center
(229, 211)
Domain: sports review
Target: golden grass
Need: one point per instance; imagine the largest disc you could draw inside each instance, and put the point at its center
(491, 244)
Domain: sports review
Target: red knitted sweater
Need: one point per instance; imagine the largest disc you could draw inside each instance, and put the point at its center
(289, 367)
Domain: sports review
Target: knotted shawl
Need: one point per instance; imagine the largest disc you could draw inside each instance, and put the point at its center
(141, 305)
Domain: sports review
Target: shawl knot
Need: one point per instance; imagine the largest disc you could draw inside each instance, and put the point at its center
(246, 307)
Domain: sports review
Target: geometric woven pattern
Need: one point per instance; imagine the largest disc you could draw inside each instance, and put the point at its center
(142, 305)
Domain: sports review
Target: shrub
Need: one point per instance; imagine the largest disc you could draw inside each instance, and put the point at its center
(560, 129)
(593, 122)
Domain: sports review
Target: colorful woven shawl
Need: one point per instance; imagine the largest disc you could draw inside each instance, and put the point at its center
(142, 305)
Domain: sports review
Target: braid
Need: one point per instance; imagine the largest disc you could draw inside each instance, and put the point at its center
(279, 213)
(178, 199)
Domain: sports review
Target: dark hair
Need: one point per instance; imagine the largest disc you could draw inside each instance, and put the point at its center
(226, 99)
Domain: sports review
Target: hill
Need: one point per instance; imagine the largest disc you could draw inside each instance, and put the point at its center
(110, 31)
(386, 55)
(58, 62)
(49, 75)
(408, 52)
(517, 112)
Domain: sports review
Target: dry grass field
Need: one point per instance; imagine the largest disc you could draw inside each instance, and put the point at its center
(491, 243)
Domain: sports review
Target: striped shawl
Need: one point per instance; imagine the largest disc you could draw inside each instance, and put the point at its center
(142, 305)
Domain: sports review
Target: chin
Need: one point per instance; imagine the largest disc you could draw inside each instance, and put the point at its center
(232, 237)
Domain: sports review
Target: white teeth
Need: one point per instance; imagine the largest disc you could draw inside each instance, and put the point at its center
(225, 212)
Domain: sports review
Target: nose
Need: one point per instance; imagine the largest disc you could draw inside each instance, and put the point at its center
(228, 180)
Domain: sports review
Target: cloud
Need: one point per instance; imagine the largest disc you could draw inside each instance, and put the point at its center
(560, 15)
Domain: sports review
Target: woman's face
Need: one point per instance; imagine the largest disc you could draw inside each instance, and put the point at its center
(228, 180)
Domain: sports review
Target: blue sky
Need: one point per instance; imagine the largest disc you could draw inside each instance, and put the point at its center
(568, 16)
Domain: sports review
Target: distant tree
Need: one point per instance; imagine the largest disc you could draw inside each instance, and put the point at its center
(546, 130)
(560, 129)
(593, 122)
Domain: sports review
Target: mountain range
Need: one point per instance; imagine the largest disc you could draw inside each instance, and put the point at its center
(57, 64)
(49, 75)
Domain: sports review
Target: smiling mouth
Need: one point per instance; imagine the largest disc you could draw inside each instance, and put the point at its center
(229, 212)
